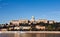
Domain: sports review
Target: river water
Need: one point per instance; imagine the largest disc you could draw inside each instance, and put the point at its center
(40, 35)
(30, 35)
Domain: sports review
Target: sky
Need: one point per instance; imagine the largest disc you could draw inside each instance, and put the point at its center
(24, 9)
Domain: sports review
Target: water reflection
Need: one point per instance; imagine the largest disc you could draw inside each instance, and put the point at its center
(30, 35)
(39, 35)
(7, 35)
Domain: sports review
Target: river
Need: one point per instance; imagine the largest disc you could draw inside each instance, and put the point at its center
(17, 34)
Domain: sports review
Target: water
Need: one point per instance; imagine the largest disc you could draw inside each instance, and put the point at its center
(7, 35)
(29, 34)
(40, 35)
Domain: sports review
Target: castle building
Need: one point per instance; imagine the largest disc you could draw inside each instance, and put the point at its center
(24, 24)
(42, 20)
(51, 21)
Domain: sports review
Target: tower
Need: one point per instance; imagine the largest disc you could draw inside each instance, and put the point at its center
(33, 19)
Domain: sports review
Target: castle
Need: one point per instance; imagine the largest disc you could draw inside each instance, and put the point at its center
(30, 25)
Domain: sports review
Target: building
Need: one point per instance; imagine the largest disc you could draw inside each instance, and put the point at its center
(51, 21)
(23, 21)
(17, 28)
(42, 20)
(3, 29)
(40, 27)
(14, 22)
(17, 22)
(24, 24)
(25, 27)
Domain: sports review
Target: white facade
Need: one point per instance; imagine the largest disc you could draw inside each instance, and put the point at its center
(51, 21)
(40, 27)
(25, 27)
(17, 28)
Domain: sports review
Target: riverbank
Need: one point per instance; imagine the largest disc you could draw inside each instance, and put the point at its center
(29, 31)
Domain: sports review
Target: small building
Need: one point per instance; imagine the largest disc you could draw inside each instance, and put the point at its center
(40, 27)
(25, 27)
(17, 28)
(10, 28)
(3, 29)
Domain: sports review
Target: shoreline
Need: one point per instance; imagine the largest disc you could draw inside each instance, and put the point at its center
(29, 31)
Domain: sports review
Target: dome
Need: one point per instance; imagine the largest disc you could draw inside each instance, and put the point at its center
(33, 17)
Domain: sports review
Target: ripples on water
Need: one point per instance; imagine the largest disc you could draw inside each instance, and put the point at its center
(30, 35)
